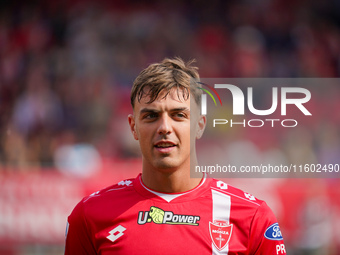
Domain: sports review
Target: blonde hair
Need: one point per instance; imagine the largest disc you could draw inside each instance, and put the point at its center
(165, 76)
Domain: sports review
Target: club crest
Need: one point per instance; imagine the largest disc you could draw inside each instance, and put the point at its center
(220, 232)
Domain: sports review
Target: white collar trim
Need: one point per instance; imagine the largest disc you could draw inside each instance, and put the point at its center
(169, 197)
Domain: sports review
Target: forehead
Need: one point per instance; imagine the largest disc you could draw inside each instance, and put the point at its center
(167, 102)
(175, 96)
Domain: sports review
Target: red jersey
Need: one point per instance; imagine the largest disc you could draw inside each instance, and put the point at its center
(213, 218)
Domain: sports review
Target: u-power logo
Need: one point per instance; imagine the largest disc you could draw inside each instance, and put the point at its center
(239, 105)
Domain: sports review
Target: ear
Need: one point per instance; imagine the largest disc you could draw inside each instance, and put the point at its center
(132, 123)
(201, 126)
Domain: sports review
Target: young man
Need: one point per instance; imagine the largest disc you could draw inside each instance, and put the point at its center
(163, 210)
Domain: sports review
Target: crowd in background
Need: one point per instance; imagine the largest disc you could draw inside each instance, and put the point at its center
(66, 68)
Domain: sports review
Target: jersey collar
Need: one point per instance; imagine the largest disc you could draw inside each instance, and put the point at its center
(169, 197)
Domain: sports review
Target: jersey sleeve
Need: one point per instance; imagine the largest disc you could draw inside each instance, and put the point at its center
(265, 234)
(78, 238)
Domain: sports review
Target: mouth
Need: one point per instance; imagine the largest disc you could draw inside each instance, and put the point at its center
(165, 146)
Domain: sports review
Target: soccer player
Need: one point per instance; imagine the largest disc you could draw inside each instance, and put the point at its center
(163, 210)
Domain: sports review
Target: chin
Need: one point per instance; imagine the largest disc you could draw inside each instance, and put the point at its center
(167, 165)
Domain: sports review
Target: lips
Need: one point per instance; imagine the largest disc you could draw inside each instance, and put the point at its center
(165, 146)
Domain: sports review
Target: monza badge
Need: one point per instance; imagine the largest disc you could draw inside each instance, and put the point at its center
(220, 232)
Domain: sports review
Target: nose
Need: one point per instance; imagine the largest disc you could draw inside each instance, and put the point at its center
(164, 127)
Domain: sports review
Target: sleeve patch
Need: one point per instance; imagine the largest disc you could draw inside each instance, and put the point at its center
(273, 232)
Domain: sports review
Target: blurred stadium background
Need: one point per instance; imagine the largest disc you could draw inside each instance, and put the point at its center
(66, 69)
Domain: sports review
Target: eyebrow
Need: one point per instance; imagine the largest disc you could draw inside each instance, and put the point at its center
(148, 110)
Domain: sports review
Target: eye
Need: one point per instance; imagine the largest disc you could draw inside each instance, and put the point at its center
(150, 115)
(179, 115)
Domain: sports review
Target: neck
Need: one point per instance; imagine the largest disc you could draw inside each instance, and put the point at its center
(169, 180)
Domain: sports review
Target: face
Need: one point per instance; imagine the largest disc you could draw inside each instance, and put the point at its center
(163, 130)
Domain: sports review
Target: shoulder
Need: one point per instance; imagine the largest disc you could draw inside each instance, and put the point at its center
(245, 207)
(238, 196)
(111, 191)
(109, 198)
